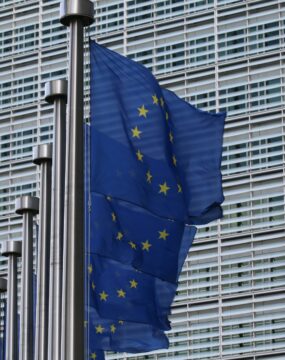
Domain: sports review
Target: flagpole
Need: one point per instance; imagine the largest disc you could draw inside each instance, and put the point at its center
(76, 14)
(42, 156)
(56, 93)
(27, 206)
(12, 250)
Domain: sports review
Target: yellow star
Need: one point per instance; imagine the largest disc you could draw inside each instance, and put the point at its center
(99, 329)
(93, 285)
(121, 322)
(171, 137)
(148, 177)
(163, 188)
(136, 132)
(133, 284)
(120, 235)
(142, 111)
(114, 217)
(121, 293)
(132, 245)
(139, 155)
(146, 245)
(113, 328)
(166, 116)
(85, 323)
(90, 268)
(162, 101)
(155, 99)
(109, 198)
(93, 356)
(174, 160)
(179, 188)
(163, 234)
(103, 296)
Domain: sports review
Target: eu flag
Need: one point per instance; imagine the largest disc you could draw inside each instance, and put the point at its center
(140, 144)
(152, 170)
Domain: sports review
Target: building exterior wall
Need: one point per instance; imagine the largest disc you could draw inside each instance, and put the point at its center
(220, 55)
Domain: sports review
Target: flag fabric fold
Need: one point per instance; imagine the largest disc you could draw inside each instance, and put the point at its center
(152, 170)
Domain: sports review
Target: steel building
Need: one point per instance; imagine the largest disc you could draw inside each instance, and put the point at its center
(220, 55)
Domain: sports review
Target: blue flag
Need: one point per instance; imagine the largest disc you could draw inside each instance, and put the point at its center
(143, 189)
(135, 148)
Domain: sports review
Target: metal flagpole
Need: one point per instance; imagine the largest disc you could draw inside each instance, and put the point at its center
(56, 92)
(12, 249)
(27, 206)
(42, 156)
(76, 14)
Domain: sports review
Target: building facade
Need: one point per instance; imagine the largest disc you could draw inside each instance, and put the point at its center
(220, 55)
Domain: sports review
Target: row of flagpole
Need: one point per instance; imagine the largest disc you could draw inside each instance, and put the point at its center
(59, 329)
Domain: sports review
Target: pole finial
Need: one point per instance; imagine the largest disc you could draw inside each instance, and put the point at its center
(27, 203)
(11, 247)
(70, 9)
(42, 153)
(55, 89)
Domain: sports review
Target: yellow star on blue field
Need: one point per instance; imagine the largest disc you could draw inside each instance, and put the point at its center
(155, 99)
(90, 268)
(162, 101)
(121, 293)
(103, 296)
(85, 323)
(93, 285)
(146, 245)
(163, 188)
(120, 235)
(139, 155)
(163, 234)
(121, 322)
(114, 217)
(179, 188)
(99, 329)
(93, 356)
(133, 284)
(166, 116)
(132, 245)
(174, 160)
(143, 111)
(148, 177)
(171, 138)
(136, 132)
(113, 328)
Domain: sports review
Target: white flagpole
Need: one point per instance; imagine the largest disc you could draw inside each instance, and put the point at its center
(56, 93)
(12, 250)
(42, 156)
(76, 14)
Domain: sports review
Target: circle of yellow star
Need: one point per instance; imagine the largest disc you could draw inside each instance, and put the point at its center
(171, 137)
(121, 322)
(93, 285)
(90, 268)
(164, 188)
(142, 111)
(103, 296)
(146, 245)
(179, 188)
(114, 217)
(93, 356)
(132, 245)
(155, 99)
(136, 132)
(139, 155)
(163, 234)
(148, 177)
(133, 284)
(162, 101)
(174, 160)
(113, 328)
(99, 329)
(120, 235)
(166, 116)
(121, 293)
